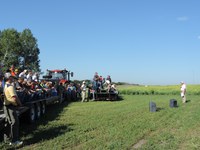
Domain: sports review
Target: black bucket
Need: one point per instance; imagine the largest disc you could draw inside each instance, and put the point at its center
(173, 103)
(152, 107)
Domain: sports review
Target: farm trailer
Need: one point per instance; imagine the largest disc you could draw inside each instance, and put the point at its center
(31, 110)
(104, 95)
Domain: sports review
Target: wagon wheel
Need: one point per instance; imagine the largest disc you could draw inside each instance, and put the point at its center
(43, 108)
(32, 114)
(38, 110)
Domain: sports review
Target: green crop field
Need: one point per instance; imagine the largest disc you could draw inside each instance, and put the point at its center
(158, 90)
(118, 125)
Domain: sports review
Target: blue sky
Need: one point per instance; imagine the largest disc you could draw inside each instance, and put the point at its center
(137, 41)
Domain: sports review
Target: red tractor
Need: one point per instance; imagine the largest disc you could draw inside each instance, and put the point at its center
(60, 76)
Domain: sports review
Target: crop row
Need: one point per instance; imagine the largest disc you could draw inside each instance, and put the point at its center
(158, 90)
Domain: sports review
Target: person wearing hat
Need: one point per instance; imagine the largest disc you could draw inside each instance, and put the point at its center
(11, 102)
(183, 92)
(83, 91)
(16, 73)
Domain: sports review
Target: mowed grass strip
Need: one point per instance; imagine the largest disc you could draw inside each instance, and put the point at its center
(117, 125)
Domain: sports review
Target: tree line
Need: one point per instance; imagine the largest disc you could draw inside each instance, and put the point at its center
(19, 49)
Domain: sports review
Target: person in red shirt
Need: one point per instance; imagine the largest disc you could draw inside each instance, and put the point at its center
(12, 70)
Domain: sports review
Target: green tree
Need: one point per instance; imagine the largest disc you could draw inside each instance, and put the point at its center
(9, 48)
(20, 49)
(30, 51)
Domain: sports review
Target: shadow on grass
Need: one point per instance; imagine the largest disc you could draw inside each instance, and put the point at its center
(188, 101)
(119, 98)
(40, 135)
(159, 109)
(46, 134)
(34, 135)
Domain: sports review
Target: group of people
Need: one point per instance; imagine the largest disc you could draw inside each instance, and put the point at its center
(100, 83)
(26, 86)
(97, 85)
(18, 88)
(28, 75)
(21, 87)
(29, 87)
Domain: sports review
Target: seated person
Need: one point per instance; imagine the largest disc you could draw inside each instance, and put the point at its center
(113, 89)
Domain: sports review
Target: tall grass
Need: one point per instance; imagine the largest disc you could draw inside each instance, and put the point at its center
(158, 90)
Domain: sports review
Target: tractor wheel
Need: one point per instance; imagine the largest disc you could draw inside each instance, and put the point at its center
(32, 114)
(43, 108)
(38, 110)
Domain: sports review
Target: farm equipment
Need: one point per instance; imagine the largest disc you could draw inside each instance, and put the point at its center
(107, 92)
(33, 109)
(104, 95)
(60, 76)
(30, 110)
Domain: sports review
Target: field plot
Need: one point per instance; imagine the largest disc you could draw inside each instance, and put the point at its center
(124, 124)
(158, 90)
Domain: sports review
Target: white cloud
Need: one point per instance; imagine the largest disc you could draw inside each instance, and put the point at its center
(183, 18)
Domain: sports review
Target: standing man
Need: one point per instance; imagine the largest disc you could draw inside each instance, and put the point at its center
(11, 102)
(183, 92)
(83, 91)
(109, 79)
(95, 80)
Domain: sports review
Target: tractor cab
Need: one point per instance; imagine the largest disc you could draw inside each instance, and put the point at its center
(61, 76)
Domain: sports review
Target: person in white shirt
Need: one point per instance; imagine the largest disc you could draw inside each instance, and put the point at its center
(23, 74)
(183, 92)
(83, 91)
(35, 76)
(29, 76)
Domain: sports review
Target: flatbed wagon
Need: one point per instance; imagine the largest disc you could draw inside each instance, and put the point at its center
(31, 110)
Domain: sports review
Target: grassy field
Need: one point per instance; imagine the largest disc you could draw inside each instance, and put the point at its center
(158, 90)
(119, 125)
